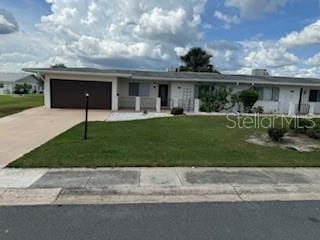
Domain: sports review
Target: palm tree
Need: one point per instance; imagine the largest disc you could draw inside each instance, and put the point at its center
(197, 60)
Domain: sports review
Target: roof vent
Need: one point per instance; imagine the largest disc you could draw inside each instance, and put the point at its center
(260, 72)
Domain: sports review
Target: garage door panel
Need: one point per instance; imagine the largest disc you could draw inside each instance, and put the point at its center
(71, 94)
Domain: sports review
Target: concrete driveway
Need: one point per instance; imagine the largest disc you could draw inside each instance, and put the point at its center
(22, 132)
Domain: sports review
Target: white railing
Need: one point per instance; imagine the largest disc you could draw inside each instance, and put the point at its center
(127, 102)
(140, 103)
(148, 103)
(314, 108)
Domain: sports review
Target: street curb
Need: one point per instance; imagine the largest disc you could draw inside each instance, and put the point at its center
(27, 197)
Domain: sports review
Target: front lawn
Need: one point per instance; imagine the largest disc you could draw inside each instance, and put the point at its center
(10, 104)
(178, 141)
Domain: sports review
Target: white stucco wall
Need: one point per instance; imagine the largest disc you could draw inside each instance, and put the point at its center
(181, 91)
(123, 87)
(8, 88)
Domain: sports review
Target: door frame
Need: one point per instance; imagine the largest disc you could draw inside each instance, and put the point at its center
(167, 90)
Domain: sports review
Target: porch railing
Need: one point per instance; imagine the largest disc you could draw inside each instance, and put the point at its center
(148, 103)
(127, 102)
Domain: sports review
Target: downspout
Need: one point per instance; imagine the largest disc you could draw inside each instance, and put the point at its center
(300, 100)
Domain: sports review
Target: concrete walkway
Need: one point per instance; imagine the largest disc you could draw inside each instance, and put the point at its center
(144, 185)
(22, 132)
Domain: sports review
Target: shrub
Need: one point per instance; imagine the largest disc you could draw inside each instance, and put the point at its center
(22, 88)
(314, 132)
(259, 109)
(277, 133)
(248, 98)
(177, 111)
(216, 101)
(301, 125)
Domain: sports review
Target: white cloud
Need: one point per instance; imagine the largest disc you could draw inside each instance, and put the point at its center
(268, 55)
(228, 19)
(227, 56)
(248, 9)
(8, 24)
(114, 33)
(315, 60)
(308, 36)
(255, 8)
(148, 34)
(122, 29)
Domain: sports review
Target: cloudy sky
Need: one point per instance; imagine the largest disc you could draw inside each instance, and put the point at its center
(280, 35)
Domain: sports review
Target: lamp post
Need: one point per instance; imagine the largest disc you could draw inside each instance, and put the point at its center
(86, 121)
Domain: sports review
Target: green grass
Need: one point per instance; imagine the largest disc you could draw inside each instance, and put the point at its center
(10, 104)
(179, 141)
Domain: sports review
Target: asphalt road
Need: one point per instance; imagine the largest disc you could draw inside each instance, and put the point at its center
(272, 220)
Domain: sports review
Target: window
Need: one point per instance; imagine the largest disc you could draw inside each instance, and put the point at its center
(314, 96)
(268, 93)
(139, 89)
(1, 85)
(144, 89)
(133, 89)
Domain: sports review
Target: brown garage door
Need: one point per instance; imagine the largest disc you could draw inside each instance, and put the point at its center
(71, 94)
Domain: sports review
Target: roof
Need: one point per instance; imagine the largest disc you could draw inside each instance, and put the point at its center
(181, 76)
(13, 76)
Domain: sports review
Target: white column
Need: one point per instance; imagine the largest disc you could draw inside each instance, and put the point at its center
(115, 103)
(138, 104)
(312, 109)
(115, 98)
(158, 104)
(291, 109)
(47, 93)
(196, 105)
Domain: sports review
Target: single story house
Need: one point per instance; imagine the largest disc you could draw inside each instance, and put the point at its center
(155, 90)
(8, 81)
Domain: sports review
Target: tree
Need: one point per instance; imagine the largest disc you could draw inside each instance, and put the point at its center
(248, 98)
(197, 60)
(58, 65)
(22, 88)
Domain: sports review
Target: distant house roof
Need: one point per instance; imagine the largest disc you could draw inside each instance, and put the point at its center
(181, 76)
(10, 77)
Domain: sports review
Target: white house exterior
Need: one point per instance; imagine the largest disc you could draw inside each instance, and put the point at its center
(139, 90)
(8, 81)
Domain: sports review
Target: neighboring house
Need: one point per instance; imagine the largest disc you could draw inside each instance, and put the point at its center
(138, 90)
(8, 81)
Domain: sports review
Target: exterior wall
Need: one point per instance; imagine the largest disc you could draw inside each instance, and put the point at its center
(287, 95)
(315, 106)
(7, 88)
(178, 91)
(47, 92)
(123, 89)
(182, 92)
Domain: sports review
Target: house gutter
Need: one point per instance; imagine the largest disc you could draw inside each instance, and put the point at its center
(130, 76)
(78, 73)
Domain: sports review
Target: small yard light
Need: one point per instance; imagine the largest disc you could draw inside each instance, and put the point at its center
(86, 121)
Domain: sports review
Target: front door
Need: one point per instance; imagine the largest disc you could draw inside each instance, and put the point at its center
(163, 94)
